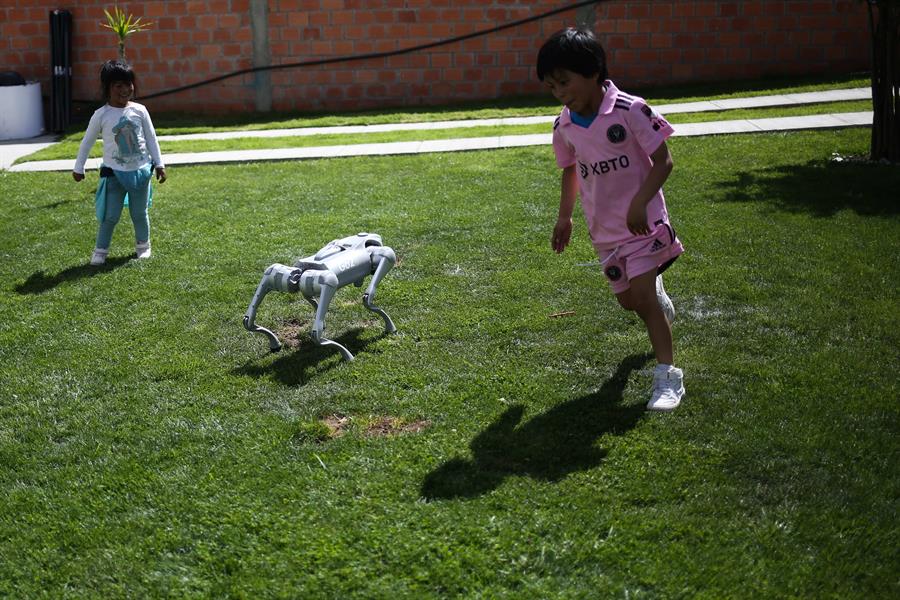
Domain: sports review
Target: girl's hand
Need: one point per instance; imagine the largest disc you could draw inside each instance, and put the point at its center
(637, 218)
(161, 174)
(562, 232)
(77, 176)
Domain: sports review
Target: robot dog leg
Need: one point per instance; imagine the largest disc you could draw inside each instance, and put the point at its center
(386, 261)
(290, 279)
(277, 277)
(325, 284)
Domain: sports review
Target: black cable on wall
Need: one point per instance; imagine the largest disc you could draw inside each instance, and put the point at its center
(358, 57)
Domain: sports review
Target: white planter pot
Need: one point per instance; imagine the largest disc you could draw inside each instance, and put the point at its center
(21, 111)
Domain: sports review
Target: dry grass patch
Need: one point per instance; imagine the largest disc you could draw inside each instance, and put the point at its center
(337, 425)
(292, 332)
(385, 426)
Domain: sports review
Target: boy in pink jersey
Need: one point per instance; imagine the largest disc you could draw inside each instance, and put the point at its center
(612, 149)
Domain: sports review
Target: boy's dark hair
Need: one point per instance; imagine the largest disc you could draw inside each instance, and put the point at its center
(575, 50)
(113, 71)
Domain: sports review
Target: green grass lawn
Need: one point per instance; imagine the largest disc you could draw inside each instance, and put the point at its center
(151, 447)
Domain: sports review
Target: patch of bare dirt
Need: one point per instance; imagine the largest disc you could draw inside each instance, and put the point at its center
(291, 332)
(384, 426)
(337, 425)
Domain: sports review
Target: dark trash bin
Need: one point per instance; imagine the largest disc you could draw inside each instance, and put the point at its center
(11, 78)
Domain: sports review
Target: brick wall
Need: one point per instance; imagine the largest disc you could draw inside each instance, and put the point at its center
(648, 42)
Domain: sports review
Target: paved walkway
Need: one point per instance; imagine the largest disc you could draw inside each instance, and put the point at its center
(9, 152)
(12, 150)
(665, 109)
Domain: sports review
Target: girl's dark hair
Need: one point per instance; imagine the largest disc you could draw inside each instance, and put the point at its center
(575, 50)
(115, 70)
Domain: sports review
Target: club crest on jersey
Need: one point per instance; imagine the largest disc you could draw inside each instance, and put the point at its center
(616, 134)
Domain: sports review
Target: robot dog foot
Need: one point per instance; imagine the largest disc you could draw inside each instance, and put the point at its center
(274, 343)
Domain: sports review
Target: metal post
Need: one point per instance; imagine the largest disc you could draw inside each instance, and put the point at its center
(60, 69)
(67, 68)
(54, 66)
(259, 26)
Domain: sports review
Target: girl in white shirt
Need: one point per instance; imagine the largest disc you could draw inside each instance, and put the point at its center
(130, 154)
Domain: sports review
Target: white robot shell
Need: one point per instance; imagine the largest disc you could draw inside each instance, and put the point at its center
(317, 277)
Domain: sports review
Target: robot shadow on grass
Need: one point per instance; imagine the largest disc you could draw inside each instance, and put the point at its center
(39, 282)
(550, 446)
(297, 366)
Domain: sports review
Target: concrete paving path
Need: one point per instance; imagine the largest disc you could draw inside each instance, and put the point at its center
(9, 152)
(12, 150)
(665, 109)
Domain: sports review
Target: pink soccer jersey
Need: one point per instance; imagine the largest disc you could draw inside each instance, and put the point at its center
(613, 160)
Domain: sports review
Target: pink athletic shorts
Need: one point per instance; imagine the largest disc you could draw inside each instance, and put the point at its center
(639, 255)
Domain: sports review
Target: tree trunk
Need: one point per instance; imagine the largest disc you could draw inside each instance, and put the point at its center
(884, 22)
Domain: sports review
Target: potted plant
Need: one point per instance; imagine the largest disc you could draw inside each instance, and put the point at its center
(123, 25)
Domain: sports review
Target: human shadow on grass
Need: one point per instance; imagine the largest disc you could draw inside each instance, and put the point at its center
(821, 188)
(56, 204)
(549, 447)
(297, 363)
(39, 282)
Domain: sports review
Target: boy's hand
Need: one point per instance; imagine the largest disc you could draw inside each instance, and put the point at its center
(77, 176)
(637, 218)
(562, 232)
(161, 174)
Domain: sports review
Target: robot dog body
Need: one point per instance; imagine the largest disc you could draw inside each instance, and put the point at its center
(340, 263)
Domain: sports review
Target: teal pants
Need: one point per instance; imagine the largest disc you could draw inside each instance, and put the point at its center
(138, 197)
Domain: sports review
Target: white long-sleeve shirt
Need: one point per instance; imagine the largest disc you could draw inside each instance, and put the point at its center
(129, 140)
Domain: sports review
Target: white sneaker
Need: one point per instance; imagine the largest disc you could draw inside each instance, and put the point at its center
(99, 256)
(142, 249)
(665, 303)
(668, 388)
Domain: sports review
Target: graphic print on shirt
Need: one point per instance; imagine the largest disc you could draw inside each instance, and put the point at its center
(128, 147)
(656, 121)
(602, 167)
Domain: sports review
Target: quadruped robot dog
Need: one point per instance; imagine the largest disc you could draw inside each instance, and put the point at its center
(341, 262)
